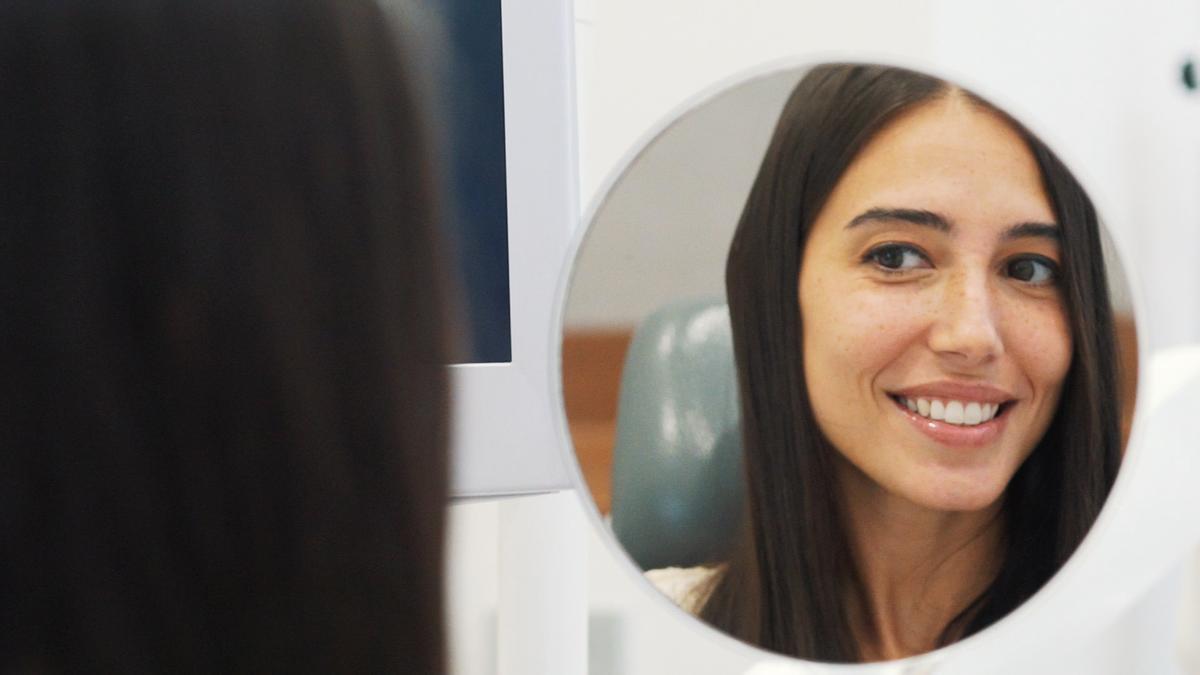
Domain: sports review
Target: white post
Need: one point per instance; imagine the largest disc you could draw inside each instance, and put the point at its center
(542, 605)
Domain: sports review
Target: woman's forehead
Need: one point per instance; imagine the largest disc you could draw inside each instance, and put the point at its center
(949, 156)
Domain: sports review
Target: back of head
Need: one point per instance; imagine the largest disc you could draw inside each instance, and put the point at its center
(223, 405)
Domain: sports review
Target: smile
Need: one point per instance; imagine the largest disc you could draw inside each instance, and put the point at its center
(968, 413)
(955, 422)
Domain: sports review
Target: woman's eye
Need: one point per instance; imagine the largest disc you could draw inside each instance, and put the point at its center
(897, 257)
(1033, 270)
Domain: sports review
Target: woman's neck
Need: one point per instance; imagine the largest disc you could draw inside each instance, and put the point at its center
(917, 568)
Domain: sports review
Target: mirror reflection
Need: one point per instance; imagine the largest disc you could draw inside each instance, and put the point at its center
(847, 364)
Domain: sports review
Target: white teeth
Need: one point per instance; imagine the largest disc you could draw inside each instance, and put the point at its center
(937, 410)
(973, 413)
(954, 412)
(965, 413)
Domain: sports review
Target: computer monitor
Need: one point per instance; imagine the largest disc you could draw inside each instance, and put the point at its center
(503, 113)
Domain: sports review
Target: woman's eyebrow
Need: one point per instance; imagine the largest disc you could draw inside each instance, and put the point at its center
(1023, 230)
(942, 224)
(915, 216)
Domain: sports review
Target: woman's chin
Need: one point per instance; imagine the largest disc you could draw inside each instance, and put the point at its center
(958, 484)
(957, 496)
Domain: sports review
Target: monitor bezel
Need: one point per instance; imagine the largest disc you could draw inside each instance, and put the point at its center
(503, 435)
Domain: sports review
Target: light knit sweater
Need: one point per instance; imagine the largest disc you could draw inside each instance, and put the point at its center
(687, 587)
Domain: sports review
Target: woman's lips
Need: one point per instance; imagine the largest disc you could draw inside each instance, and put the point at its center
(956, 435)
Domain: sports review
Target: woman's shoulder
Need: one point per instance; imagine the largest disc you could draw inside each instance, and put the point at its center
(688, 587)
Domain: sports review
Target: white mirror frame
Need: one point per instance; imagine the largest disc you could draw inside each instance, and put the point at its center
(1149, 523)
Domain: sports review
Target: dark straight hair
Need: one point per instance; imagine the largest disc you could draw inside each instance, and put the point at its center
(222, 404)
(785, 586)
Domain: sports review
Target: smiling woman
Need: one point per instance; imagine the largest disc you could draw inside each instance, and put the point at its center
(949, 304)
(927, 374)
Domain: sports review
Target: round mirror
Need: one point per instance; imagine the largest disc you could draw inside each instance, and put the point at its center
(848, 363)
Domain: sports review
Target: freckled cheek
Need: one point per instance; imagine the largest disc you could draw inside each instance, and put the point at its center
(1041, 340)
(858, 335)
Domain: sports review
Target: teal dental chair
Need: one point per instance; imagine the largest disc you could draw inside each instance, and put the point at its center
(677, 482)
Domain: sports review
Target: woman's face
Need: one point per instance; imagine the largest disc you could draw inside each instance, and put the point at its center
(934, 335)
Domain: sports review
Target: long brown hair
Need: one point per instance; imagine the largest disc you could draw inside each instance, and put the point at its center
(223, 404)
(784, 588)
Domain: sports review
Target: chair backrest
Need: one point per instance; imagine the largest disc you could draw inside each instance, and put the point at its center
(677, 477)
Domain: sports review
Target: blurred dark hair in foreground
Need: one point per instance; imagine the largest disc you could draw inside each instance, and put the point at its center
(223, 405)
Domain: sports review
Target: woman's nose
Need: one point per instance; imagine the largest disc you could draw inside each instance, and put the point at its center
(965, 327)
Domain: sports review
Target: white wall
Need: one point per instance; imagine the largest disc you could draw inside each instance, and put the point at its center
(651, 55)
(663, 231)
